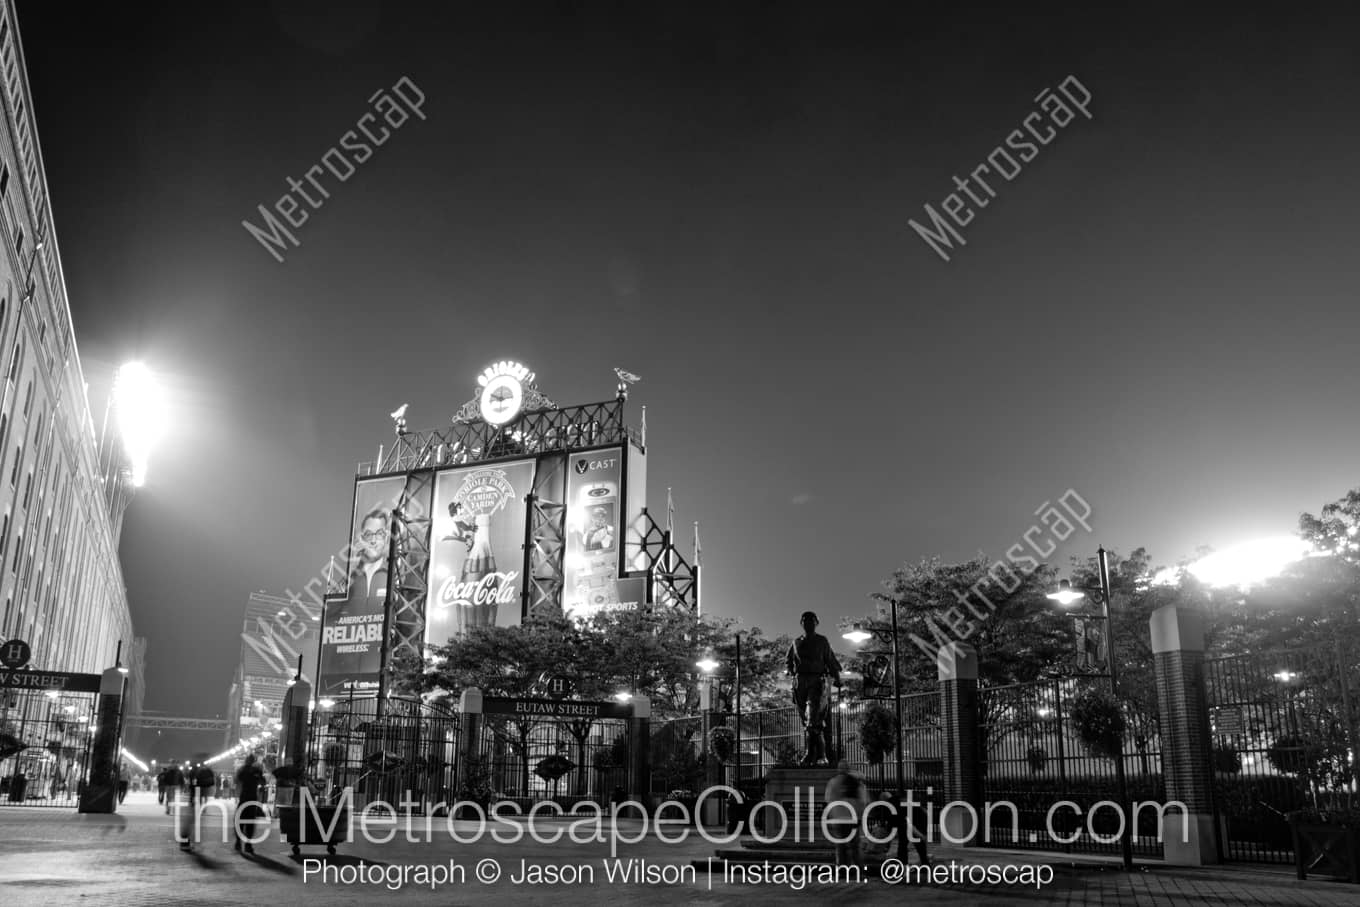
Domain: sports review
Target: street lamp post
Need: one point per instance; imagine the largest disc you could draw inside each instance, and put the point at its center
(708, 665)
(1066, 595)
(858, 635)
(736, 694)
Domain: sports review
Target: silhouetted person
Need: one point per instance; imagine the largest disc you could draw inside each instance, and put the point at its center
(249, 780)
(845, 797)
(174, 780)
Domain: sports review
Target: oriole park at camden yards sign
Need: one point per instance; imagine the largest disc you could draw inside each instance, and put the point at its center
(49, 680)
(553, 708)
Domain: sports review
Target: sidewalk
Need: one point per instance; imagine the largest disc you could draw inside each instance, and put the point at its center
(57, 857)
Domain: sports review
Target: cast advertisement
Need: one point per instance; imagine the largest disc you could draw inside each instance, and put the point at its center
(477, 549)
(351, 631)
(591, 563)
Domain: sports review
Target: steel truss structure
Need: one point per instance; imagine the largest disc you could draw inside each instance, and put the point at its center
(548, 434)
(173, 723)
(542, 431)
(673, 582)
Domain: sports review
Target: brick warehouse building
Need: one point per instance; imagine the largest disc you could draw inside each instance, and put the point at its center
(62, 496)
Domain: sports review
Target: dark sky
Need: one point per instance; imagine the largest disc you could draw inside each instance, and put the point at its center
(1159, 312)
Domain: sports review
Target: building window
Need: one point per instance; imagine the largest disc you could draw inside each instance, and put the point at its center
(9, 606)
(28, 397)
(28, 490)
(19, 242)
(14, 473)
(4, 179)
(14, 363)
(18, 552)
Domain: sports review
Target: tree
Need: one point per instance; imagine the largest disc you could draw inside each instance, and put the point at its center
(647, 652)
(1017, 634)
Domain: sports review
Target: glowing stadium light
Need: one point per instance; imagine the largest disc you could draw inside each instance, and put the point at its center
(1249, 563)
(707, 664)
(140, 405)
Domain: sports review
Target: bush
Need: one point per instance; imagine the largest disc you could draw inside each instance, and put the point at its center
(1099, 722)
(785, 753)
(1296, 755)
(612, 757)
(877, 733)
(1227, 760)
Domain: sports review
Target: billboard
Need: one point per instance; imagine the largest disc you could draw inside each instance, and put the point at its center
(590, 564)
(477, 549)
(351, 629)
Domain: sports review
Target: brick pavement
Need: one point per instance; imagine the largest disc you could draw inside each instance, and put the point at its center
(57, 857)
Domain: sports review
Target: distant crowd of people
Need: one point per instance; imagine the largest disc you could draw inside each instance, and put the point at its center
(197, 785)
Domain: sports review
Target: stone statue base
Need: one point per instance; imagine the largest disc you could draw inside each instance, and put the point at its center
(801, 792)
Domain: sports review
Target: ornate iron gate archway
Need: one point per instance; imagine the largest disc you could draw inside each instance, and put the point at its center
(45, 742)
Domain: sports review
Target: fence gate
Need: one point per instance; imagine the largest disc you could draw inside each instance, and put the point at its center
(1283, 727)
(412, 747)
(45, 739)
(527, 759)
(1032, 757)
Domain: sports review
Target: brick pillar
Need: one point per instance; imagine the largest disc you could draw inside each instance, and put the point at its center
(958, 667)
(640, 747)
(712, 806)
(470, 738)
(1187, 836)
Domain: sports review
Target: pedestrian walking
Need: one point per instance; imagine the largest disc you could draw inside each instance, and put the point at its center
(205, 778)
(160, 785)
(846, 796)
(124, 781)
(174, 780)
(913, 819)
(249, 781)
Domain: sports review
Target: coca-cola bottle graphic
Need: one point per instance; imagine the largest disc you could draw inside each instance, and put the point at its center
(479, 582)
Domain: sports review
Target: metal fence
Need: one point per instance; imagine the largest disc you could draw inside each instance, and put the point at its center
(1032, 758)
(45, 741)
(412, 747)
(528, 760)
(772, 738)
(1283, 727)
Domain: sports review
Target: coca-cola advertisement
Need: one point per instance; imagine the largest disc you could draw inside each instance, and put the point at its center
(477, 549)
(591, 562)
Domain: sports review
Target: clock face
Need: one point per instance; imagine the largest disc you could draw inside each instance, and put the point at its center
(501, 399)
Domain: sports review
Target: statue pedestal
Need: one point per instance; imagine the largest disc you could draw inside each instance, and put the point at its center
(800, 792)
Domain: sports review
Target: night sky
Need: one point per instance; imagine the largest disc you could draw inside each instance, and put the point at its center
(1158, 312)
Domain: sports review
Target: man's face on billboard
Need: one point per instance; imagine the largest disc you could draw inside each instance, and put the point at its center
(597, 519)
(372, 540)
